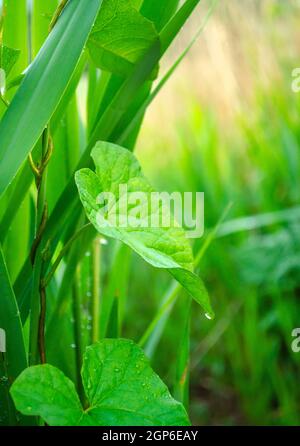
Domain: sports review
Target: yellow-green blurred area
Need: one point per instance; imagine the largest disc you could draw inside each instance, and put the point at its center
(228, 124)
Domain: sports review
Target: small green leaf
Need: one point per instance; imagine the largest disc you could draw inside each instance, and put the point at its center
(8, 58)
(46, 392)
(121, 388)
(162, 246)
(120, 37)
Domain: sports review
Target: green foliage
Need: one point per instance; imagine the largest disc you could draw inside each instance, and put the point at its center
(38, 96)
(120, 36)
(252, 265)
(120, 386)
(62, 291)
(164, 246)
(8, 58)
(159, 12)
(92, 82)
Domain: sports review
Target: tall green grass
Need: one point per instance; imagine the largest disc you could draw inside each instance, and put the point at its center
(243, 370)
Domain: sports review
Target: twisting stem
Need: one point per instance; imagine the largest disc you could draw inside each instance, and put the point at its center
(38, 253)
(33, 166)
(42, 214)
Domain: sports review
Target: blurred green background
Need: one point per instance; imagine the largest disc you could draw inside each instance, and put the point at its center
(227, 124)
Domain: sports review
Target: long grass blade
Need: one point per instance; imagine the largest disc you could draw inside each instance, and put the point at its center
(43, 86)
(12, 355)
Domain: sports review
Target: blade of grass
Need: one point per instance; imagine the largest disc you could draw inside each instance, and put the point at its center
(16, 31)
(153, 332)
(13, 361)
(42, 11)
(143, 107)
(181, 387)
(38, 96)
(24, 178)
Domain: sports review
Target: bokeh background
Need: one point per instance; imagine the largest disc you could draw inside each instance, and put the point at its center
(227, 123)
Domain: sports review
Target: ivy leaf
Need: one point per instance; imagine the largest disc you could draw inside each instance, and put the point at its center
(121, 388)
(163, 246)
(8, 58)
(120, 36)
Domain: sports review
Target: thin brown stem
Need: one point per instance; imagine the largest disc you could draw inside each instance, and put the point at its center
(39, 251)
(39, 234)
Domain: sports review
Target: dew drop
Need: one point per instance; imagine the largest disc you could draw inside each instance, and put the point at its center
(3, 380)
(208, 316)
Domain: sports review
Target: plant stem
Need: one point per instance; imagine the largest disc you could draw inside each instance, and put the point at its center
(38, 252)
(77, 332)
(35, 313)
(96, 289)
(63, 252)
(42, 320)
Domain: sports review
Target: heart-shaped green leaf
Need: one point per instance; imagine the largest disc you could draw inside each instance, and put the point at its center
(120, 36)
(120, 386)
(163, 246)
(46, 392)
